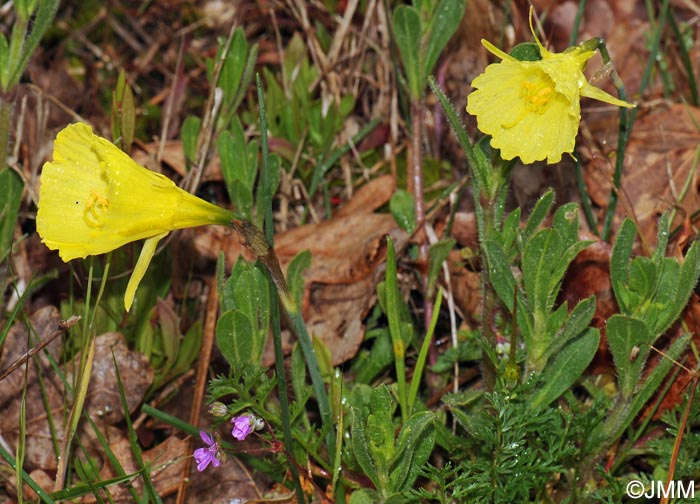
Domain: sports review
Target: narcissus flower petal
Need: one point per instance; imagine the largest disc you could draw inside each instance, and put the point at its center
(149, 248)
(94, 198)
(531, 108)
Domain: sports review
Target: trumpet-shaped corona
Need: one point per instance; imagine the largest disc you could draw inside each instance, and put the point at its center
(94, 198)
(531, 109)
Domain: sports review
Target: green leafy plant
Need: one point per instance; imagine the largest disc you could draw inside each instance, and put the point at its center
(32, 19)
(506, 414)
(421, 31)
(558, 343)
(651, 293)
(391, 463)
(242, 328)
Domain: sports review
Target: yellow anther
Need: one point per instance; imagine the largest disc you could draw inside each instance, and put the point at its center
(95, 206)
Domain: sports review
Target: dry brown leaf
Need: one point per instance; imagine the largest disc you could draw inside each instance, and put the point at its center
(166, 461)
(658, 161)
(347, 258)
(103, 398)
(174, 157)
(466, 286)
(230, 482)
(39, 447)
(674, 389)
(348, 254)
(103, 402)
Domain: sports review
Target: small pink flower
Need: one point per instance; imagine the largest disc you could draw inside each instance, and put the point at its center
(212, 454)
(242, 426)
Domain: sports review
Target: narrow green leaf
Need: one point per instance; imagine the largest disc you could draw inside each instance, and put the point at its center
(234, 65)
(298, 374)
(26, 478)
(480, 173)
(423, 354)
(295, 274)
(542, 207)
(554, 322)
(407, 30)
(626, 411)
(540, 259)
(24, 8)
(561, 266)
(364, 496)
(437, 254)
(642, 282)
(525, 319)
(575, 324)
(662, 238)
(620, 264)
(189, 349)
(189, 133)
(629, 340)
(252, 297)
(500, 273)
(234, 337)
(565, 368)
(228, 156)
(657, 375)
(392, 312)
(43, 19)
(242, 198)
(226, 302)
(446, 18)
(566, 223)
(10, 198)
(246, 78)
(687, 279)
(244, 161)
(4, 53)
(665, 304)
(507, 237)
(401, 207)
(380, 357)
(414, 446)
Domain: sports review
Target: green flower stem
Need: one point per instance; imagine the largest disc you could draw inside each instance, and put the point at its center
(627, 117)
(262, 247)
(687, 63)
(423, 354)
(489, 187)
(488, 294)
(255, 242)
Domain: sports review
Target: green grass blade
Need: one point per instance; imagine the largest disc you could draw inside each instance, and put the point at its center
(397, 341)
(423, 354)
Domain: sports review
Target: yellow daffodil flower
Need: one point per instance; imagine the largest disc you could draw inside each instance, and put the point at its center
(94, 199)
(531, 108)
